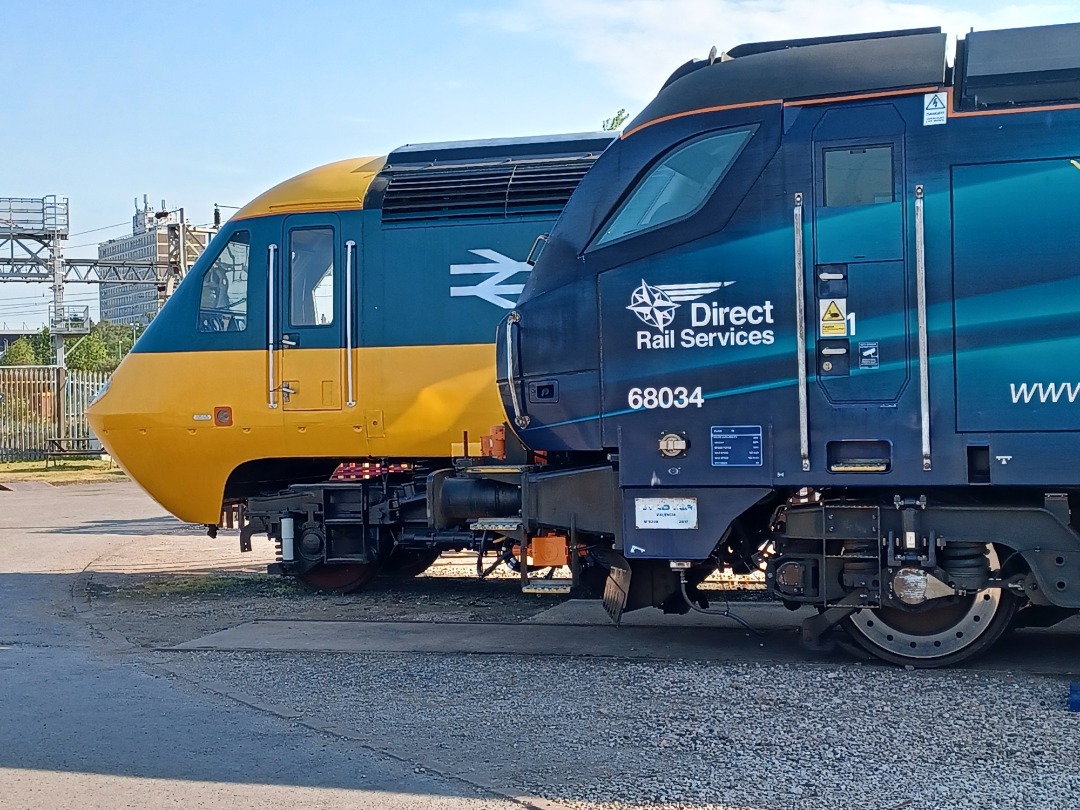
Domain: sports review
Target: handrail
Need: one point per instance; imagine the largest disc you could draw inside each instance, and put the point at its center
(350, 248)
(800, 333)
(520, 419)
(924, 347)
(270, 336)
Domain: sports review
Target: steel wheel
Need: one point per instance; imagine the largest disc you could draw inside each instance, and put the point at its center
(405, 564)
(947, 631)
(342, 578)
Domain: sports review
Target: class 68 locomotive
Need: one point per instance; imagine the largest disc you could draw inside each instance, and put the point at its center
(814, 312)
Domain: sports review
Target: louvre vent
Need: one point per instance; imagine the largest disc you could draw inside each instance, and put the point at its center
(512, 188)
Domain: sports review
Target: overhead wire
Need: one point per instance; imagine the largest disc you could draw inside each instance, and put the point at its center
(102, 228)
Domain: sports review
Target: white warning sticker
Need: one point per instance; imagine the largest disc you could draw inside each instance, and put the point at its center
(935, 109)
(833, 320)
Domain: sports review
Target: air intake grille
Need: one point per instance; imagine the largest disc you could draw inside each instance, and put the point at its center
(439, 193)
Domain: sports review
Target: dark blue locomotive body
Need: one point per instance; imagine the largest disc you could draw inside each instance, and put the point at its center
(818, 305)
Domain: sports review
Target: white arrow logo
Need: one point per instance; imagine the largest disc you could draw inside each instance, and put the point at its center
(492, 289)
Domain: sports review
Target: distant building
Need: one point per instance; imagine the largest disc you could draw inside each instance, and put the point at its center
(149, 241)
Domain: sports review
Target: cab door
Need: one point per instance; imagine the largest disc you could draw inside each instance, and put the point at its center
(858, 284)
(310, 324)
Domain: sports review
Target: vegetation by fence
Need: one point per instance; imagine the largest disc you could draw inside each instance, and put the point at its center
(39, 403)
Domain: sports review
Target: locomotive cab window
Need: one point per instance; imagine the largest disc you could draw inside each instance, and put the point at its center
(223, 302)
(311, 277)
(678, 185)
(858, 175)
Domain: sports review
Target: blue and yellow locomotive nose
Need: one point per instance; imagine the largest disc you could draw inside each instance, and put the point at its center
(153, 420)
(208, 391)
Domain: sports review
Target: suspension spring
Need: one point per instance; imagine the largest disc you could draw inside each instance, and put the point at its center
(967, 564)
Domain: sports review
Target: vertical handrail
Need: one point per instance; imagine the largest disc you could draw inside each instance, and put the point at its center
(520, 419)
(800, 332)
(350, 248)
(270, 337)
(924, 347)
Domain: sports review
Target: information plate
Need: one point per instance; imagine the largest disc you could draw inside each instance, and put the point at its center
(665, 513)
(736, 445)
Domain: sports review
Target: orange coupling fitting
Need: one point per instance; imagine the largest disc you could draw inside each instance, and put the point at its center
(549, 550)
(493, 445)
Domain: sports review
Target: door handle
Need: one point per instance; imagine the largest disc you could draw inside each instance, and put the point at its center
(287, 342)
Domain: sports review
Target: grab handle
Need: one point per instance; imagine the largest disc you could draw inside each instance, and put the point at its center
(520, 419)
(271, 262)
(350, 249)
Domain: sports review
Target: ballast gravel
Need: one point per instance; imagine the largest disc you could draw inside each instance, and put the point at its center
(600, 734)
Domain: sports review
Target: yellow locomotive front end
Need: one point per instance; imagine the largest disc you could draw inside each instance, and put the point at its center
(337, 317)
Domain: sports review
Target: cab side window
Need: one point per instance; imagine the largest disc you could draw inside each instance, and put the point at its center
(678, 185)
(224, 299)
(311, 277)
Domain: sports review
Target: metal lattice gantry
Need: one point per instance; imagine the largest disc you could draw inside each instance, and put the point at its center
(32, 235)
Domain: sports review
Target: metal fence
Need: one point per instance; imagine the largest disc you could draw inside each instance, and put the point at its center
(41, 403)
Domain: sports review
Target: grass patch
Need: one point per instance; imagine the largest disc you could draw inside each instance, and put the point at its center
(211, 585)
(65, 471)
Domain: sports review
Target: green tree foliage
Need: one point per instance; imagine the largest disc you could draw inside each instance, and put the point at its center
(88, 354)
(43, 347)
(102, 349)
(616, 121)
(19, 353)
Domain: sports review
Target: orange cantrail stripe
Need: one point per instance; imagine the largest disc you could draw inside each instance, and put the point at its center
(911, 91)
(673, 116)
(1010, 111)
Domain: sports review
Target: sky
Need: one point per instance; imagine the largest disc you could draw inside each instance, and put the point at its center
(198, 103)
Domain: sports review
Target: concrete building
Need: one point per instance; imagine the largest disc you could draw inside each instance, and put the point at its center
(149, 241)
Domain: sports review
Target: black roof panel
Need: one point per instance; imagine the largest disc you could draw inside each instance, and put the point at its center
(791, 70)
(493, 149)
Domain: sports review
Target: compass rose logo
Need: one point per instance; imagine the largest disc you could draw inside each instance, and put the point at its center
(656, 305)
(652, 305)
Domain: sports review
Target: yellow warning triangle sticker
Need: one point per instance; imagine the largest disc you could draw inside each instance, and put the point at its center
(832, 313)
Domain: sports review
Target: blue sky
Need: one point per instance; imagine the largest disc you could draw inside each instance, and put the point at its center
(202, 102)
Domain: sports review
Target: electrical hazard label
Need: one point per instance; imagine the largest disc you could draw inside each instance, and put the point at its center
(935, 109)
(833, 321)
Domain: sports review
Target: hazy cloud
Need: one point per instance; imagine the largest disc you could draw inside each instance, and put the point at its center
(637, 43)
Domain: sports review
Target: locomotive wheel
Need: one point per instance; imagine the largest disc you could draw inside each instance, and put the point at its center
(342, 578)
(405, 564)
(948, 631)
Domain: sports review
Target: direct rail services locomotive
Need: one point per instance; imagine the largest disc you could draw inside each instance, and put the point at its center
(815, 311)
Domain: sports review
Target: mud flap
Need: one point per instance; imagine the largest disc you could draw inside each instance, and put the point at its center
(617, 586)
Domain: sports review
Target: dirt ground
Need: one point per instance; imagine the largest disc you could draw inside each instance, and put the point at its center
(164, 608)
(161, 609)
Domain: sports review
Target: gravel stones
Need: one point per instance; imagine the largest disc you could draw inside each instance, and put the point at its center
(604, 733)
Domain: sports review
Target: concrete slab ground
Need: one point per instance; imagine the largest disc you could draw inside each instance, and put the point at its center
(581, 628)
(577, 628)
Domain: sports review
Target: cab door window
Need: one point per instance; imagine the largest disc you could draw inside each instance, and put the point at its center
(311, 277)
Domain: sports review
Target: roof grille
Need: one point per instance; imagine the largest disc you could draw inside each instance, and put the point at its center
(440, 193)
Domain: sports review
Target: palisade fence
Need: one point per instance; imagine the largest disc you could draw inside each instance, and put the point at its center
(44, 402)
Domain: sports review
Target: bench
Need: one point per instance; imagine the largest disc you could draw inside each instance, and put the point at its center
(71, 447)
